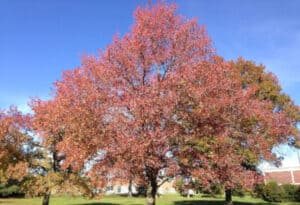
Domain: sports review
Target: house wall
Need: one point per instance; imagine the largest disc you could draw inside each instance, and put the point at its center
(283, 175)
(116, 188)
(297, 176)
(167, 188)
(120, 189)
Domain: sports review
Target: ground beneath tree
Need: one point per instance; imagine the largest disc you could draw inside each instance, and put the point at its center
(163, 200)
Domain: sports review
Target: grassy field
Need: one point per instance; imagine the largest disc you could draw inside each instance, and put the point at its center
(117, 200)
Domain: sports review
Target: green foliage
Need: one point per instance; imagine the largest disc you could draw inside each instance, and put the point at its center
(273, 192)
(290, 191)
(215, 189)
(197, 186)
(258, 191)
(297, 194)
(179, 185)
(7, 190)
(239, 191)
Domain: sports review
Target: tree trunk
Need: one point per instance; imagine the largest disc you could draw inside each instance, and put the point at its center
(151, 193)
(46, 199)
(130, 188)
(228, 197)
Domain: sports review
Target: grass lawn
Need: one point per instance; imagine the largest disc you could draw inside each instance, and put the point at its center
(117, 200)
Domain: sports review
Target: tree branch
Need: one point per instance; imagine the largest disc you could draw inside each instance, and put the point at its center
(163, 181)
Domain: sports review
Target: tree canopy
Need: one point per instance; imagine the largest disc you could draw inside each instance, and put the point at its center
(159, 102)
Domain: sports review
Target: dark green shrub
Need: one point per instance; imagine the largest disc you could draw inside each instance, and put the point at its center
(258, 191)
(273, 192)
(197, 186)
(286, 192)
(214, 190)
(289, 192)
(297, 194)
(217, 189)
(239, 191)
(10, 191)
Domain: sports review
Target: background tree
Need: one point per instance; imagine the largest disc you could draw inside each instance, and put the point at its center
(268, 89)
(14, 144)
(235, 128)
(46, 172)
(234, 159)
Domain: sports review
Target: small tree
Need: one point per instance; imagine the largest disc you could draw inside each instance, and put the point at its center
(14, 145)
(179, 185)
(46, 172)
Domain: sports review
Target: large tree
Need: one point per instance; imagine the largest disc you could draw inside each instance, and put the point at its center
(137, 108)
(117, 109)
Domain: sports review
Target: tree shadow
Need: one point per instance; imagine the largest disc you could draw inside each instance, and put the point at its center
(212, 202)
(95, 203)
(99, 203)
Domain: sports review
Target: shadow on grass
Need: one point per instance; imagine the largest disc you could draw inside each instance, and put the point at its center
(95, 203)
(212, 202)
(100, 203)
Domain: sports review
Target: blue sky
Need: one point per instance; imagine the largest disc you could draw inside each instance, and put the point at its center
(40, 39)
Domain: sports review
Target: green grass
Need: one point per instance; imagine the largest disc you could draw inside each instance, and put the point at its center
(117, 200)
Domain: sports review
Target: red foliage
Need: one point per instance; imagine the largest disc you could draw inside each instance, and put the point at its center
(152, 100)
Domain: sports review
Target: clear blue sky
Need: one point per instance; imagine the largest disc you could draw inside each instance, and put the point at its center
(39, 39)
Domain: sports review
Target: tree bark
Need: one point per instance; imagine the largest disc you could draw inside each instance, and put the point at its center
(151, 192)
(130, 188)
(228, 197)
(46, 199)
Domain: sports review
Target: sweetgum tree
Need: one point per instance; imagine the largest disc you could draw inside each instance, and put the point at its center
(155, 103)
